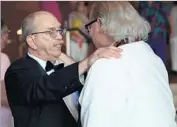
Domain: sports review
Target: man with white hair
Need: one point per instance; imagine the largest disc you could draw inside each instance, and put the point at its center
(132, 91)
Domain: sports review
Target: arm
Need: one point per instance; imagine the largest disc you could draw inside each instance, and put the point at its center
(25, 83)
(66, 59)
(4, 100)
(5, 63)
(105, 83)
(84, 65)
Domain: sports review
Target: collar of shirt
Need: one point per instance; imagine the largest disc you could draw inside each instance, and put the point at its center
(43, 62)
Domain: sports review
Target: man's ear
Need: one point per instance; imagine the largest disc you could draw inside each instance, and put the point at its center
(99, 22)
(30, 42)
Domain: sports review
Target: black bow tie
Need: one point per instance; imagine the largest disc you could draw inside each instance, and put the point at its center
(50, 66)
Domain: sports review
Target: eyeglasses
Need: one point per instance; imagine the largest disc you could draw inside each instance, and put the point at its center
(88, 25)
(53, 33)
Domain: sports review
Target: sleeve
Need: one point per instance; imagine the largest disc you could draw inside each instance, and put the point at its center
(29, 86)
(104, 94)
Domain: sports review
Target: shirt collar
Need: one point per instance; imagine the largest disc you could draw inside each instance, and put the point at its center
(43, 62)
(40, 61)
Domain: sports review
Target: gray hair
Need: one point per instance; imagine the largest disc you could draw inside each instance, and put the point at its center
(28, 25)
(120, 20)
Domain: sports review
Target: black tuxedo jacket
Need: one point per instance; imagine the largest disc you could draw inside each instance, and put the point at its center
(35, 98)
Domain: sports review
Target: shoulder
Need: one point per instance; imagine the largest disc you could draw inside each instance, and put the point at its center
(106, 65)
(22, 69)
(22, 64)
(4, 57)
(105, 62)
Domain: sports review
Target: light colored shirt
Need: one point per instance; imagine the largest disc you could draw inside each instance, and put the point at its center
(132, 91)
(70, 99)
(5, 112)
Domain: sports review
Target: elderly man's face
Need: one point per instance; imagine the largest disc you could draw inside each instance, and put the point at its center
(48, 36)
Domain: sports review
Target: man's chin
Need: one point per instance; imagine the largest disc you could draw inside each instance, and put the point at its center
(57, 55)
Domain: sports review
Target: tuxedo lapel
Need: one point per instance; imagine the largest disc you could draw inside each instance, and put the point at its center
(43, 72)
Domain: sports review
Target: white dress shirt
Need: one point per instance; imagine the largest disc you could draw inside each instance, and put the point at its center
(70, 99)
(132, 91)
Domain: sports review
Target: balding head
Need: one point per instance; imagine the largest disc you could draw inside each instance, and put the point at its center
(43, 34)
(35, 21)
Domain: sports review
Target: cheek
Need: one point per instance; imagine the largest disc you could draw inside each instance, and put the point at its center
(41, 44)
(46, 43)
(53, 49)
(94, 37)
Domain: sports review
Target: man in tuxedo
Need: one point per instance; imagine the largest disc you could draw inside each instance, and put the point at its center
(37, 83)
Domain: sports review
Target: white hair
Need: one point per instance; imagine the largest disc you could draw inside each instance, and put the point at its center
(120, 20)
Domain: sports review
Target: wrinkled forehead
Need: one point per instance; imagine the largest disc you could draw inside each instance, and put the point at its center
(46, 22)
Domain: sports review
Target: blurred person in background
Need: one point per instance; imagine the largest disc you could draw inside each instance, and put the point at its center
(52, 7)
(173, 39)
(5, 113)
(157, 14)
(77, 19)
(132, 91)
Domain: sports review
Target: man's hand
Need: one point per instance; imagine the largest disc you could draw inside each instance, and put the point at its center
(66, 59)
(106, 52)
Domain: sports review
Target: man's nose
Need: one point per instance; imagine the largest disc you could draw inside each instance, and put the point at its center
(59, 37)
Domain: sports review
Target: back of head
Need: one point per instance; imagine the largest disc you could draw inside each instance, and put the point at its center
(120, 20)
